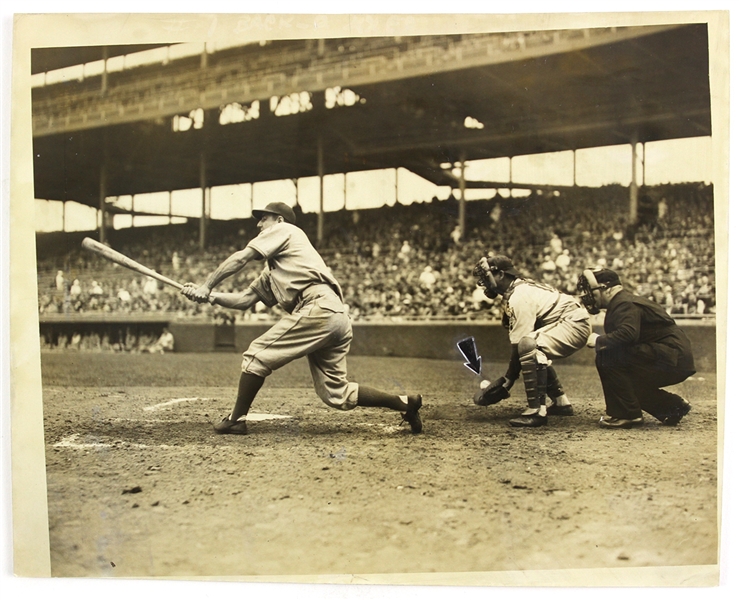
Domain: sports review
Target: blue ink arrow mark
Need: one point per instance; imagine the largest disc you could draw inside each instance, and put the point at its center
(469, 351)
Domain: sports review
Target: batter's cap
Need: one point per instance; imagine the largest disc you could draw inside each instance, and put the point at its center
(503, 263)
(276, 208)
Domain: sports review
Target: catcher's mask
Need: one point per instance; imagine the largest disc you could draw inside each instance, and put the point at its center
(495, 264)
(591, 280)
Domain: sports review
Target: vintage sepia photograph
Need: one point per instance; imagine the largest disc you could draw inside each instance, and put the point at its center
(370, 299)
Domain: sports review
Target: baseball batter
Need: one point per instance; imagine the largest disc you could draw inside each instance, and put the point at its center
(543, 324)
(316, 324)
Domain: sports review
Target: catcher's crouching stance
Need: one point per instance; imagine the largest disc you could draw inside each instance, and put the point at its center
(543, 324)
(316, 325)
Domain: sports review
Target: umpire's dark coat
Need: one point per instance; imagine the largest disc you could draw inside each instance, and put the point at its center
(642, 350)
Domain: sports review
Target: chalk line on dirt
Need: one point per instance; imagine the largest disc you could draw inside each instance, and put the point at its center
(162, 405)
(249, 417)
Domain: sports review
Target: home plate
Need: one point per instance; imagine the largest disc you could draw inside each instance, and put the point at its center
(265, 417)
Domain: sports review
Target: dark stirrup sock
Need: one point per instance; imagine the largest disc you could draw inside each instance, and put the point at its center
(368, 396)
(249, 386)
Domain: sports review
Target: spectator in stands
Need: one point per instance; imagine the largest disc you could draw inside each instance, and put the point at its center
(456, 235)
(151, 288)
(548, 266)
(75, 290)
(427, 279)
(124, 299)
(705, 296)
(405, 252)
(662, 210)
(555, 245)
(495, 215)
(59, 281)
(563, 260)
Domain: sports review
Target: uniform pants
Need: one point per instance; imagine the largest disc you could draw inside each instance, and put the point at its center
(565, 337)
(320, 330)
(631, 385)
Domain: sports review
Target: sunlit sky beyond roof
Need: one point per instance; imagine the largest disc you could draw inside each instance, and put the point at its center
(671, 161)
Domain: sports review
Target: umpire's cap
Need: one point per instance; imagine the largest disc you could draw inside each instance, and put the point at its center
(276, 208)
(606, 277)
(503, 263)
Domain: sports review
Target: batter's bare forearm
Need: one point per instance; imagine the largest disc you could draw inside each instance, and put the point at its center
(232, 265)
(236, 300)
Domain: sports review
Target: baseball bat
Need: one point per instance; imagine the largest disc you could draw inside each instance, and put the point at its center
(125, 261)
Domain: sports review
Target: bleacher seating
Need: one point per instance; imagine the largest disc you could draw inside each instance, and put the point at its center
(379, 256)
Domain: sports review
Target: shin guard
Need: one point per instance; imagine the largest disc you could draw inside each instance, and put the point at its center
(534, 374)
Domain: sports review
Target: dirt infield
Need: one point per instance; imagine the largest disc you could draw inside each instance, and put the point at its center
(139, 486)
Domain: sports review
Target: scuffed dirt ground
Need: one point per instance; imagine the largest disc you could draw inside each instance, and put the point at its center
(326, 492)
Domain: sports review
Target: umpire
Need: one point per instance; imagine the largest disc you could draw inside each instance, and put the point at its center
(642, 351)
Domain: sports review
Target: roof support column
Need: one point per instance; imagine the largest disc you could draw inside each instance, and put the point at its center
(644, 164)
(633, 188)
(462, 200)
(574, 168)
(203, 190)
(319, 234)
(510, 169)
(104, 76)
(102, 194)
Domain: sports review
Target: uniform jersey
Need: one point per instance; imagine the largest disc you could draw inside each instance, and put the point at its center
(530, 306)
(293, 265)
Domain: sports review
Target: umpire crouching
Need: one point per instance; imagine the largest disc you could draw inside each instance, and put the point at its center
(642, 351)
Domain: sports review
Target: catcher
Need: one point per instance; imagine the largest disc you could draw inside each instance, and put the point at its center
(543, 324)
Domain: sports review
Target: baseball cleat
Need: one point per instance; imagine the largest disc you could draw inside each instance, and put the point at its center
(676, 414)
(529, 421)
(560, 410)
(229, 426)
(614, 423)
(411, 416)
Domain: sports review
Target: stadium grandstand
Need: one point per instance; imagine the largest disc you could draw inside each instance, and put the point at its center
(112, 125)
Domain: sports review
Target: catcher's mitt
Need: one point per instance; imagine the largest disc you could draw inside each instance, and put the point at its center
(492, 393)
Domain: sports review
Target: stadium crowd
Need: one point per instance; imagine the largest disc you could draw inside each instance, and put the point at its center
(411, 262)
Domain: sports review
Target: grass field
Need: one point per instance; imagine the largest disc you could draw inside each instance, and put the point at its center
(139, 486)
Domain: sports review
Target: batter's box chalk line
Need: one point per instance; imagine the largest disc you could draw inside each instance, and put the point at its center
(249, 417)
(72, 441)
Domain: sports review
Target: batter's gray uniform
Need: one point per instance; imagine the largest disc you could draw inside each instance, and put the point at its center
(317, 324)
